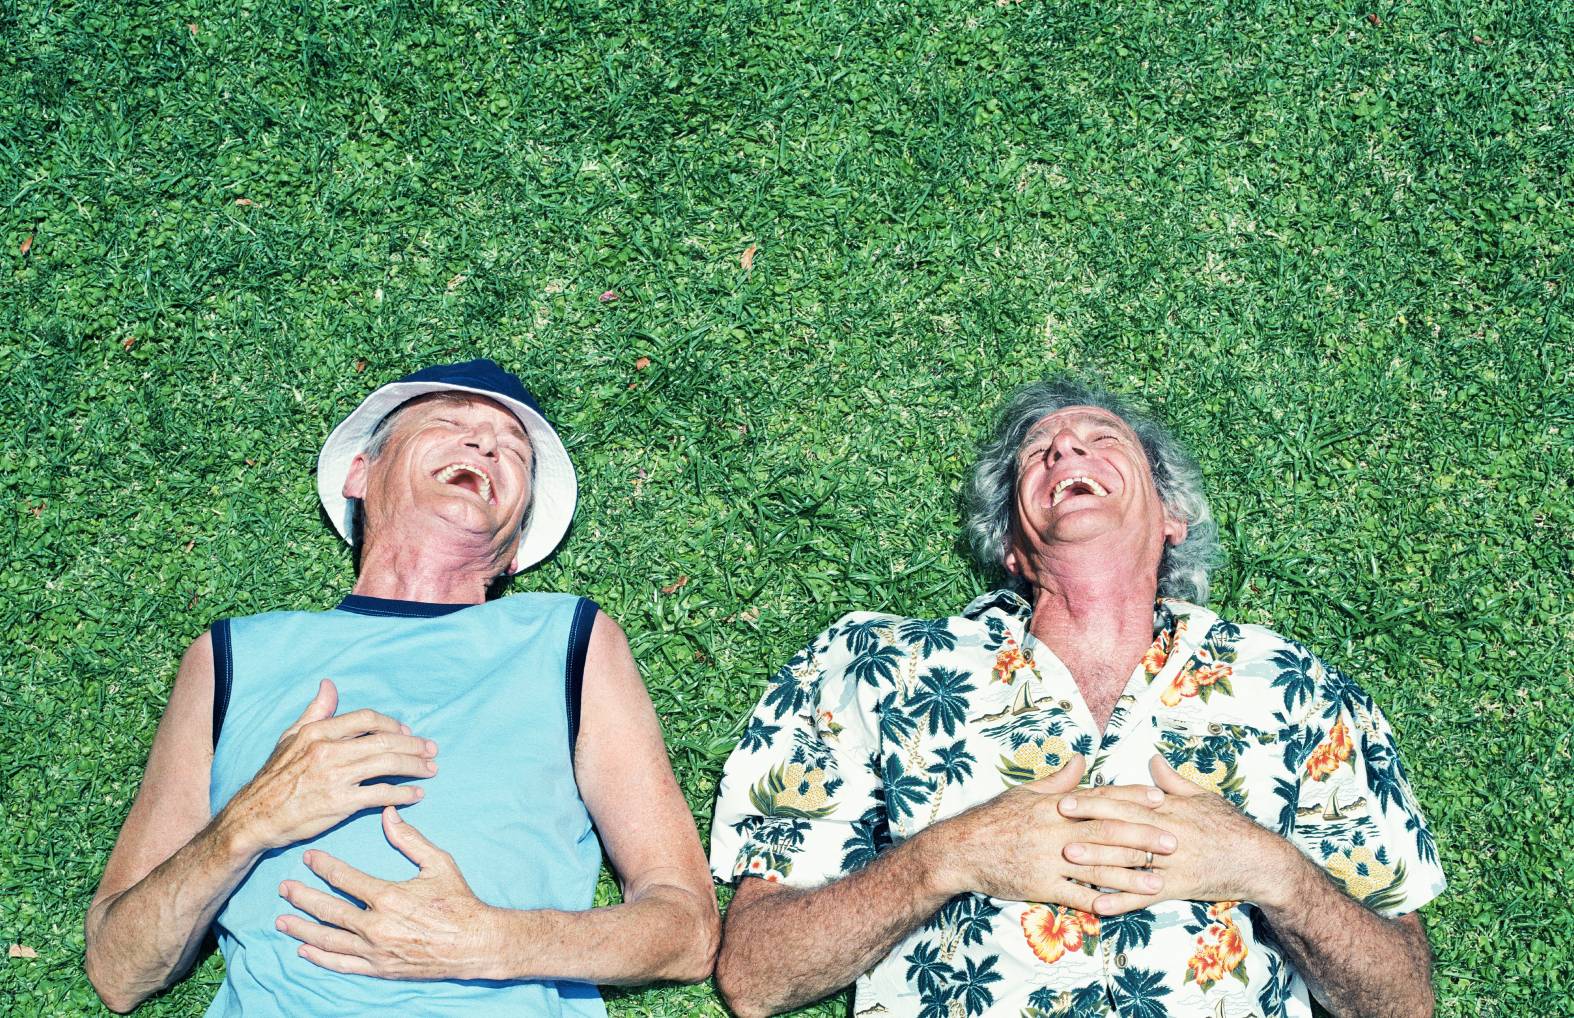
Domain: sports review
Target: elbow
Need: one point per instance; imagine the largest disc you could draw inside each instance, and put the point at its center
(697, 961)
(116, 998)
(738, 989)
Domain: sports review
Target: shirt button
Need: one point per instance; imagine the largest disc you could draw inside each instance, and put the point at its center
(1098, 779)
(1120, 960)
(1065, 705)
(1214, 728)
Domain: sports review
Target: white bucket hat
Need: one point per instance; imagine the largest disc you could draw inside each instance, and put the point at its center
(553, 494)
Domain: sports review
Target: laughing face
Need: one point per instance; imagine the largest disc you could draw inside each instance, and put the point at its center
(454, 464)
(1083, 481)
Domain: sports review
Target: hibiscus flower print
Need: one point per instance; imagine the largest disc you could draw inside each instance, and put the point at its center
(1220, 952)
(1053, 931)
(1336, 750)
(1008, 662)
(1201, 681)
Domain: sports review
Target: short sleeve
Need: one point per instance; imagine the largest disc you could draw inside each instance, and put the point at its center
(798, 800)
(1356, 814)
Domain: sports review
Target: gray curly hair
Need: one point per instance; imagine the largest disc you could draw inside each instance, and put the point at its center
(987, 502)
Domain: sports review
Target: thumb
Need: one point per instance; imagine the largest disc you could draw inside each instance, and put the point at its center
(1065, 779)
(1168, 780)
(411, 842)
(322, 706)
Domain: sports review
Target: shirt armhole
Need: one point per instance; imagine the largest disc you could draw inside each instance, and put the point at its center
(574, 678)
(223, 674)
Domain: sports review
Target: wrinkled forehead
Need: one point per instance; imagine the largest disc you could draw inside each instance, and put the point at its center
(1088, 416)
(422, 407)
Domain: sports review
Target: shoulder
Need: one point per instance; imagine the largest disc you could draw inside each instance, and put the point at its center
(1302, 675)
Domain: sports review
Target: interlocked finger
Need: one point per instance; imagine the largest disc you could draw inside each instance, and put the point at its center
(1119, 878)
(1142, 795)
(1122, 833)
(1086, 854)
(1105, 807)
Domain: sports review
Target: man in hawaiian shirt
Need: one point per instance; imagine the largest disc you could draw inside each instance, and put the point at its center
(1086, 795)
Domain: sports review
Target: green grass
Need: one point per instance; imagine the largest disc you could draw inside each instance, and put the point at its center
(1332, 250)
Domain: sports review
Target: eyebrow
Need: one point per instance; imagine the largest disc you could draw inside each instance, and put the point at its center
(1039, 430)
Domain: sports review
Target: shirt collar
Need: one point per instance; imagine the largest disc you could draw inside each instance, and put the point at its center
(1014, 605)
(387, 607)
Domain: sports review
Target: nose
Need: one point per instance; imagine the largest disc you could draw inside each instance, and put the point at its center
(483, 439)
(1066, 443)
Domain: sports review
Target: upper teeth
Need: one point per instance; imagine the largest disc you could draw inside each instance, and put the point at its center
(451, 471)
(1060, 489)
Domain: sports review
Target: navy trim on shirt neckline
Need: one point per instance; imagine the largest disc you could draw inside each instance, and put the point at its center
(387, 607)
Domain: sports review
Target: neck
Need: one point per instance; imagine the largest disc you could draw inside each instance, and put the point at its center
(1098, 620)
(418, 574)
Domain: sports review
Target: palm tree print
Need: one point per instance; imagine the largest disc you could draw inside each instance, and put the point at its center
(866, 635)
(965, 919)
(885, 724)
(903, 791)
(972, 985)
(1295, 676)
(895, 723)
(789, 690)
(759, 734)
(1137, 993)
(955, 763)
(942, 699)
(926, 969)
(1129, 930)
(876, 665)
(931, 635)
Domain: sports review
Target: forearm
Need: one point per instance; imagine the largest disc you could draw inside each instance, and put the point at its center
(1357, 963)
(140, 940)
(795, 946)
(665, 933)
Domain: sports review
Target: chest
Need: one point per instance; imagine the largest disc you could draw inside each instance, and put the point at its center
(956, 734)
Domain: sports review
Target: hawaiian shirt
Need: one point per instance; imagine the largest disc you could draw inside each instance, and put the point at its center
(885, 725)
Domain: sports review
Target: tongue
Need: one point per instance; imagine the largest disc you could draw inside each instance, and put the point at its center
(468, 481)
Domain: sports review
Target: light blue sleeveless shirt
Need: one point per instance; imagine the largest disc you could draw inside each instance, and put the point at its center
(491, 684)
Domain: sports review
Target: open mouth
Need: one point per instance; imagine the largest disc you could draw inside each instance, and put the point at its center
(1079, 485)
(471, 478)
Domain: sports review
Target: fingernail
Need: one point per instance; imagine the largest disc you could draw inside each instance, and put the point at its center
(1155, 796)
(1068, 803)
(284, 890)
(1167, 842)
(1074, 851)
(1151, 883)
(420, 793)
(404, 729)
(278, 924)
(431, 768)
(431, 748)
(308, 858)
(396, 818)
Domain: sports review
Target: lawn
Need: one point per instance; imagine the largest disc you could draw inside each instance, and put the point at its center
(771, 267)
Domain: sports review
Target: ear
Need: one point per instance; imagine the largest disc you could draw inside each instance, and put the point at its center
(355, 480)
(1174, 530)
(1012, 562)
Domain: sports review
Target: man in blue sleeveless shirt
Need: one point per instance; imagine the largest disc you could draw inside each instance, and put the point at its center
(280, 828)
